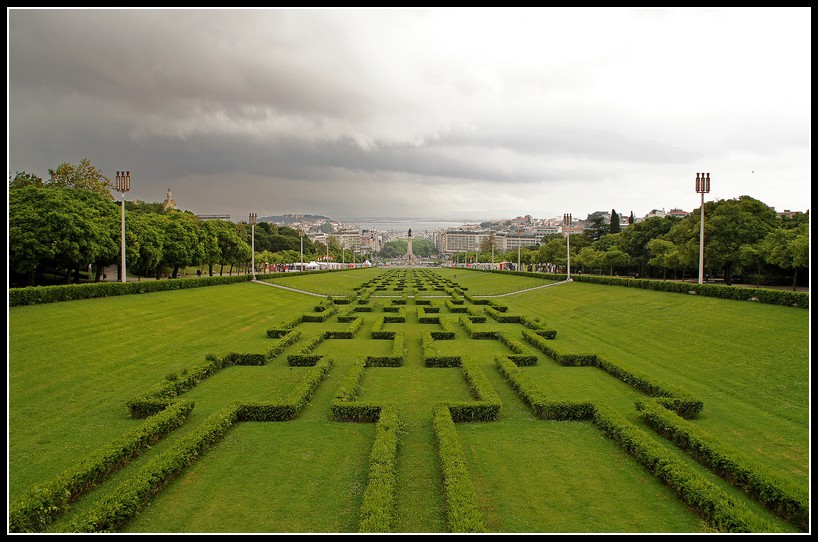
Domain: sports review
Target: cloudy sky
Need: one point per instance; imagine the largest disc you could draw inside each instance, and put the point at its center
(457, 113)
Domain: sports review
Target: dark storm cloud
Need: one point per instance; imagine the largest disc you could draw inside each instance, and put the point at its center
(514, 105)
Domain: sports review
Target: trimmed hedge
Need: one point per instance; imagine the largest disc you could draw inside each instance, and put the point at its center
(533, 396)
(134, 494)
(44, 504)
(284, 328)
(430, 355)
(783, 498)
(35, 295)
(721, 512)
(349, 332)
(462, 509)
(474, 332)
(377, 510)
(397, 357)
(669, 396)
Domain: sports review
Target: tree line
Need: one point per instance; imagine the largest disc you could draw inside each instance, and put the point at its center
(68, 226)
(742, 237)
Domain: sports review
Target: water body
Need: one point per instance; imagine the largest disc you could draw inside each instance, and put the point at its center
(401, 225)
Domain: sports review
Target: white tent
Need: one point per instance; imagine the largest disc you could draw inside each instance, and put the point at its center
(311, 265)
(367, 263)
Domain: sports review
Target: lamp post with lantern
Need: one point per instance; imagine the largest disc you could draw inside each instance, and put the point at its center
(123, 184)
(702, 187)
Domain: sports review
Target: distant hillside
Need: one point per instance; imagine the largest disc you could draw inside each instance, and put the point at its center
(283, 220)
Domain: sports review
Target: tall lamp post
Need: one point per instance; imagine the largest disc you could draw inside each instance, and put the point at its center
(301, 235)
(519, 246)
(253, 217)
(567, 221)
(702, 187)
(123, 184)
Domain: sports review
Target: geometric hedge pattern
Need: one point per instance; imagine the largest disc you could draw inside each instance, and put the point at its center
(449, 324)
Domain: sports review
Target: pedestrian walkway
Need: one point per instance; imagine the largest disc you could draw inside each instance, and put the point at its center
(476, 295)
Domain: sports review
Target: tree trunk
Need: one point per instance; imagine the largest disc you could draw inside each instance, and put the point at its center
(794, 278)
(728, 274)
(210, 269)
(175, 273)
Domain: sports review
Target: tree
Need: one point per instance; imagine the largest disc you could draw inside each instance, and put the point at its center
(145, 234)
(635, 238)
(22, 179)
(788, 249)
(62, 228)
(181, 245)
(615, 227)
(660, 251)
(597, 229)
(728, 225)
(326, 227)
(84, 175)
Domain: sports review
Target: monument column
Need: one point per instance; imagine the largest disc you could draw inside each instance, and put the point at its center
(409, 256)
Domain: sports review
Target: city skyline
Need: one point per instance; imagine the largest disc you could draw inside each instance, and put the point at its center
(452, 114)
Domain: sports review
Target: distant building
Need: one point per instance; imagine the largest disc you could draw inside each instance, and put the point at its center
(677, 212)
(169, 203)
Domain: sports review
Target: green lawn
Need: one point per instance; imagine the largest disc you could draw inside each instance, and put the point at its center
(73, 365)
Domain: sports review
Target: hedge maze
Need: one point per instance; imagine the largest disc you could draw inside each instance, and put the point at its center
(412, 317)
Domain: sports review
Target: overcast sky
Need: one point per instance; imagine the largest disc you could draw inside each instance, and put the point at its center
(458, 113)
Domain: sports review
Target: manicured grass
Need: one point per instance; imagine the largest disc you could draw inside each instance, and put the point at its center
(72, 367)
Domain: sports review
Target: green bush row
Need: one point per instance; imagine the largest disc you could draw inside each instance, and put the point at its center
(43, 504)
(285, 328)
(455, 307)
(322, 316)
(377, 331)
(486, 406)
(285, 342)
(349, 332)
(740, 293)
(34, 295)
(669, 396)
(503, 318)
(377, 510)
(785, 499)
(533, 396)
(396, 359)
(476, 301)
(430, 355)
(474, 332)
(447, 330)
(425, 318)
(462, 509)
(721, 512)
(174, 385)
(398, 317)
(513, 344)
(292, 403)
(133, 495)
(304, 357)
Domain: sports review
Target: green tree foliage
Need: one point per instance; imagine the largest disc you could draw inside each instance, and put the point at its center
(635, 239)
(728, 225)
(182, 246)
(788, 249)
(145, 237)
(83, 175)
(59, 228)
(326, 227)
(615, 226)
(397, 248)
(22, 179)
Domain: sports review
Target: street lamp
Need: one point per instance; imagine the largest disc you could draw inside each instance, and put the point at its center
(519, 246)
(567, 221)
(253, 217)
(702, 187)
(123, 184)
(301, 235)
